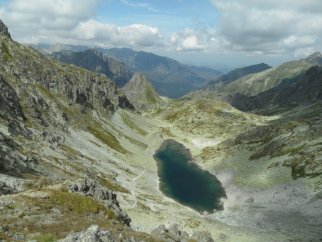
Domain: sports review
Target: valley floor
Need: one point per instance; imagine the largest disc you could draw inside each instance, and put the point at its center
(260, 209)
(262, 204)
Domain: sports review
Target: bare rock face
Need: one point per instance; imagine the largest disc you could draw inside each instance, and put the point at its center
(92, 189)
(9, 101)
(4, 29)
(95, 234)
(92, 234)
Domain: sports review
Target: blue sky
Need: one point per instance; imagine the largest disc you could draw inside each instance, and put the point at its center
(222, 34)
(169, 16)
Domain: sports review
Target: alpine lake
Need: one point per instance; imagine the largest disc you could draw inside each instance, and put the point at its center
(184, 181)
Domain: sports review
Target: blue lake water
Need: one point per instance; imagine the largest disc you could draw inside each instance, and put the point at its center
(186, 182)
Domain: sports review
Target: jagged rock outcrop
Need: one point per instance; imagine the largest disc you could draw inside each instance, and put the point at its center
(315, 58)
(11, 161)
(92, 189)
(9, 102)
(141, 93)
(4, 189)
(43, 78)
(92, 234)
(4, 29)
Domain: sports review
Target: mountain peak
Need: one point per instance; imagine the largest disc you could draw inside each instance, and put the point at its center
(315, 58)
(138, 77)
(140, 92)
(4, 29)
(315, 55)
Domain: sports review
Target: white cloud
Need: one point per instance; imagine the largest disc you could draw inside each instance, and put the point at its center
(195, 40)
(270, 27)
(135, 35)
(71, 22)
(251, 27)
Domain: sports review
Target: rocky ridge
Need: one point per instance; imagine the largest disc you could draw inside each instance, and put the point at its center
(256, 83)
(236, 74)
(4, 29)
(302, 90)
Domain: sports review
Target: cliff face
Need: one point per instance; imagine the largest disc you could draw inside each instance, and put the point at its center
(4, 29)
(40, 102)
(23, 65)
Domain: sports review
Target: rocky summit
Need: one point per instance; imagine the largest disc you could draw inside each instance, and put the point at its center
(141, 93)
(77, 152)
(4, 29)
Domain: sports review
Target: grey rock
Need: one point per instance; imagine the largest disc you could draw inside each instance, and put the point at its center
(4, 189)
(250, 200)
(92, 234)
(9, 101)
(95, 234)
(15, 128)
(174, 234)
(11, 162)
(5, 228)
(141, 93)
(202, 236)
(4, 29)
(90, 188)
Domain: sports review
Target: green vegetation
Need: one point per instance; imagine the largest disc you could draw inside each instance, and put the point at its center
(77, 203)
(5, 52)
(106, 137)
(113, 186)
(136, 142)
(46, 92)
(46, 238)
(150, 97)
(70, 152)
(76, 213)
(127, 120)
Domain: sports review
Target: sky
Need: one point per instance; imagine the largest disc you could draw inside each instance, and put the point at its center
(221, 34)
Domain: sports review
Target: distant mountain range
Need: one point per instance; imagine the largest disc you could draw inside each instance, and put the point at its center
(169, 77)
(237, 73)
(259, 86)
(94, 60)
(303, 89)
